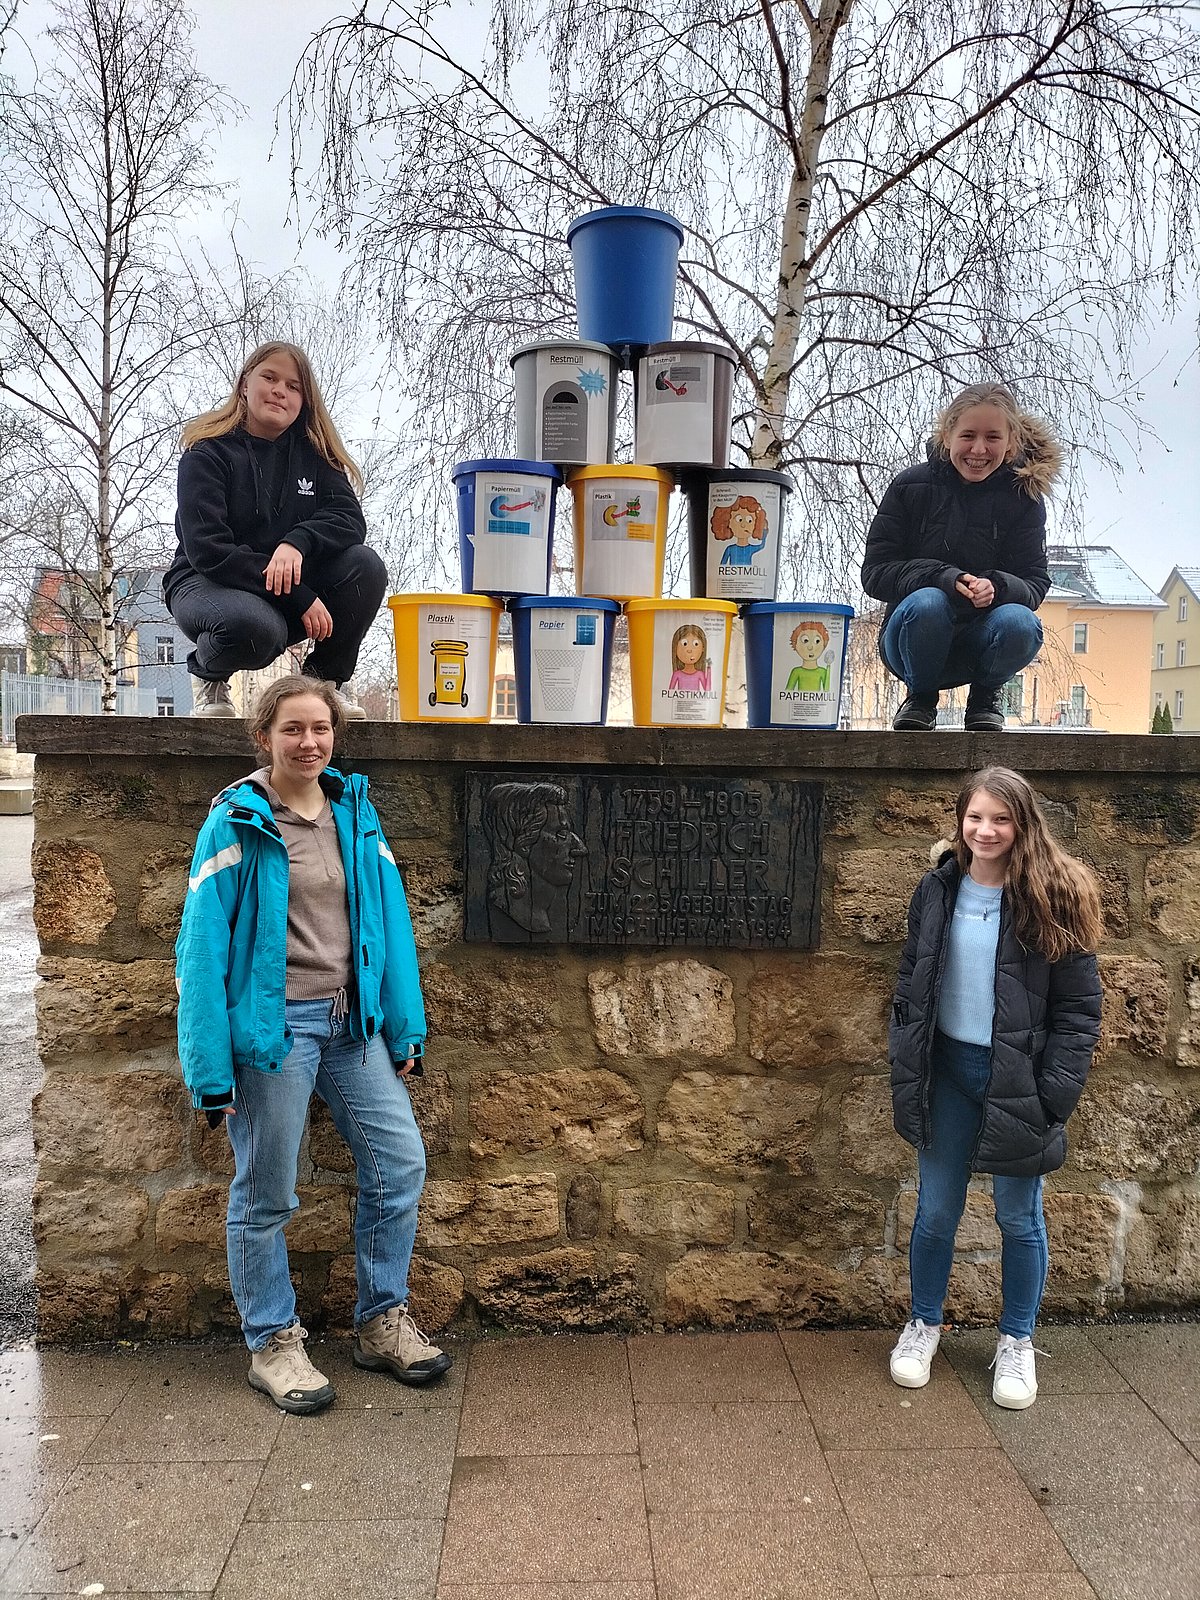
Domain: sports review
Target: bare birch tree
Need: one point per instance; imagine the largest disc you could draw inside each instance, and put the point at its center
(882, 201)
(102, 157)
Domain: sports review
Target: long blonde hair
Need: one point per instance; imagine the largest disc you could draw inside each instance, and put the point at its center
(1035, 452)
(318, 424)
(1054, 899)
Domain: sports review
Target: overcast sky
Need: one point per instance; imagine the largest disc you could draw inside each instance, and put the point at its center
(1150, 514)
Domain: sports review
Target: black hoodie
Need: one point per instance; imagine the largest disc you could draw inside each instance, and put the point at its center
(239, 497)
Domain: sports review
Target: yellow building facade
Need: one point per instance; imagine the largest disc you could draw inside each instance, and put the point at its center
(1175, 662)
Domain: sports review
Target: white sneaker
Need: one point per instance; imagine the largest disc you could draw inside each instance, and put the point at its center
(282, 1370)
(913, 1355)
(349, 706)
(1015, 1383)
(211, 699)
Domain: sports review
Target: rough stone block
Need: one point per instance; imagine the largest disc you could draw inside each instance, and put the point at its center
(161, 1305)
(1162, 1253)
(819, 1216)
(820, 1010)
(74, 1307)
(323, 1220)
(688, 1213)
(1157, 811)
(977, 1232)
(583, 1206)
(1082, 1230)
(103, 1005)
(1173, 895)
(673, 1008)
(120, 1122)
(213, 1149)
(512, 1210)
(973, 1295)
(590, 1115)
(191, 1219)
(435, 1293)
(96, 792)
(87, 1216)
(415, 806)
(562, 1289)
(1136, 1130)
(73, 900)
(1113, 879)
(513, 1008)
(872, 889)
(723, 1289)
(869, 1144)
(1137, 1003)
(434, 890)
(735, 1123)
(433, 1106)
(928, 813)
(1189, 1035)
(163, 889)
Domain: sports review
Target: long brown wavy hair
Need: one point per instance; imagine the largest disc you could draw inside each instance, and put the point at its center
(1054, 899)
(1034, 451)
(318, 424)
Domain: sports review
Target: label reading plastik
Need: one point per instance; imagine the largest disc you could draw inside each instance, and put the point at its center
(743, 540)
(689, 658)
(620, 543)
(806, 668)
(566, 665)
(454, 660)
(512, 516)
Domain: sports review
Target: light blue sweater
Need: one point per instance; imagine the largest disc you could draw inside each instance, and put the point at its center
(967, 999)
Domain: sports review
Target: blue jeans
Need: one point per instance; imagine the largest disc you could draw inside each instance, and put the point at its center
(931, 646)
(960, 1076)
(373, 1113)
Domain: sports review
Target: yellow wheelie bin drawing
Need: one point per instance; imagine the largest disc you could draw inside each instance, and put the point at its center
(449, 672)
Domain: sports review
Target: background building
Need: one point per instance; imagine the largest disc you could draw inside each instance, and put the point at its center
(1175, 665)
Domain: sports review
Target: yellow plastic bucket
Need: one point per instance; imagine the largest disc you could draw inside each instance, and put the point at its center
(620, 519)
(445, 655)
(678, 658)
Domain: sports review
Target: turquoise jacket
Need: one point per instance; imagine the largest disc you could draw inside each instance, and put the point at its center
(231, 954)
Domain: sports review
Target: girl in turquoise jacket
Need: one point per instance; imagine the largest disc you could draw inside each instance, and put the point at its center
(297, 973)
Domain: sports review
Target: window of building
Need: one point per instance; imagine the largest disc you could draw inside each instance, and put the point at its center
(1081, 633)
(1157, 698)
(166, 705)
(1179, 705)
(1013, 701)
(1078, 698)
(506, 699)
(1183, 608)
(165, 654)
(1181, 653)
(1160, 655)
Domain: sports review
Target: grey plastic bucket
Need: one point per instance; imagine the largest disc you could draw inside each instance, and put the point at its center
(566, 401)
(683, 404)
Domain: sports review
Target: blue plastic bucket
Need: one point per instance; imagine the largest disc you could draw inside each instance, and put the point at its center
(505, 525)
(795, 663)
(562, 658)
(626, 261)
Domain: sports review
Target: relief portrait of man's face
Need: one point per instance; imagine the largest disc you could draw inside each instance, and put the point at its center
(534, 852)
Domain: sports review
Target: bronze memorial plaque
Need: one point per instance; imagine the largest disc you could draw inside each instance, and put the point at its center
(643, 859)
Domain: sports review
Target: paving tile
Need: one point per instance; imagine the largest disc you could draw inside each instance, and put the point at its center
(854, 1404)
(1162, 1362)
(360, 1390)
(334, 1561)
(368, 1465)
(553, 1519)
(943, 1513)
(1096, 1449)
(717, 1457)
(1072, 1366)
(806, 1554)
(190, 1407)
(64, 1383)
(160, 1529)
(547, 1591)
(690, 1367)
(1143, 1552)
(36, 1459)
(543, 1397)
(1047, 1586)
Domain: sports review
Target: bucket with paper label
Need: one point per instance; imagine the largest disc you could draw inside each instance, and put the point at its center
(683, 401)
(678, 659)
(445, 655)
(735, 529)
(506, 525)
(562, 658)
(795, 663)
(620, 519)
(566, 401)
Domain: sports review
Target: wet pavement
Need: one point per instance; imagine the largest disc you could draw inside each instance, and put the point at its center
(20, 1075)
(753, 1466)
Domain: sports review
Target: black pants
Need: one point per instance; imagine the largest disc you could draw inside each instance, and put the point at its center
(235, 631)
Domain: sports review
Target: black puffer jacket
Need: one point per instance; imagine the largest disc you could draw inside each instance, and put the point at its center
(932, 526)
(1044, 1031)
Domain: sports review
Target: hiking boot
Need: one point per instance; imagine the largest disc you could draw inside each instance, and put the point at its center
(282, 1370)
(983, 713)
(917, 714)
(348, 704)
(212, 699)
(1015, 1385)
(392, 1342)
(914, 1353)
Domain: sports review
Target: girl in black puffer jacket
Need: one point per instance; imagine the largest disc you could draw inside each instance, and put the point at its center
(995, 1018)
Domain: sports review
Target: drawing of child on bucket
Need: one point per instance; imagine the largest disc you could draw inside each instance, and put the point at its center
(692, 670)
(810, 640)
(745, 523)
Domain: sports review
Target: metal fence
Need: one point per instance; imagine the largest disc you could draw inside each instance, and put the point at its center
(64, 697)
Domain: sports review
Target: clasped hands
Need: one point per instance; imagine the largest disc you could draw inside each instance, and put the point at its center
(283, 570)
(979, 591)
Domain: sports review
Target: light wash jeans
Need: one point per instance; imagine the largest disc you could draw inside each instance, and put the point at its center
(929, 645)
(960, 1075)
(374, 1115)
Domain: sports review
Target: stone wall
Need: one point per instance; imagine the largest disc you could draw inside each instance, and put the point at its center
(616, 1139)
